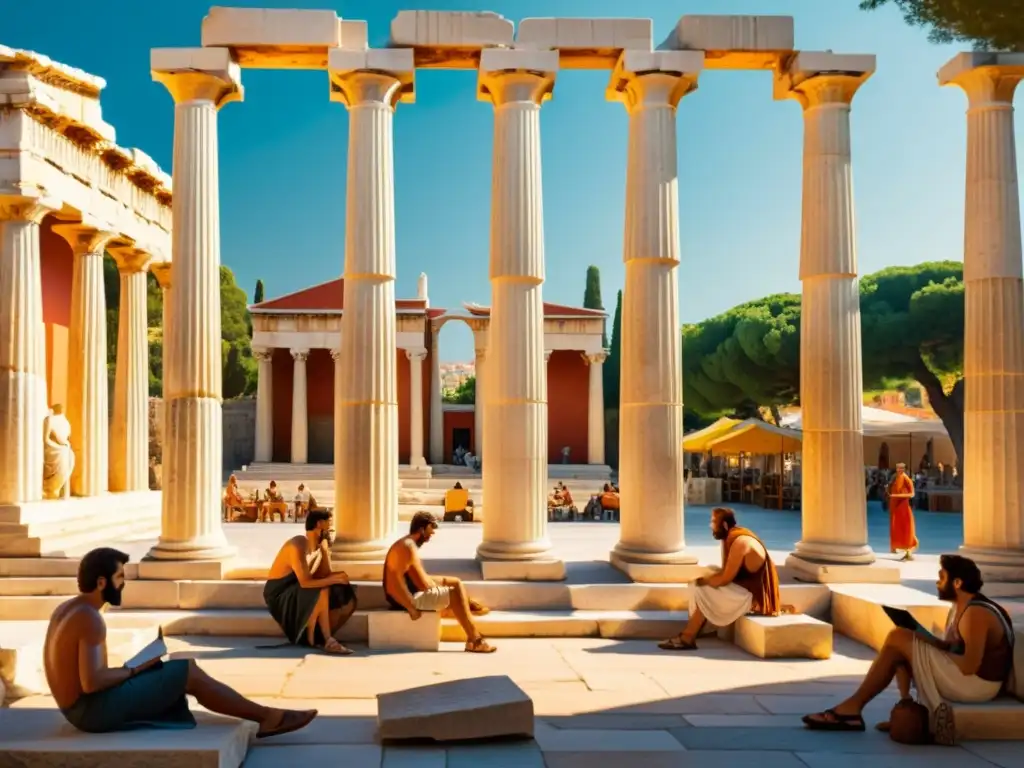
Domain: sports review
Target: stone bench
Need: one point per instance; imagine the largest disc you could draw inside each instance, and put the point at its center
(395, 631)
(791, 636)
(42, 738)
(1002, 718)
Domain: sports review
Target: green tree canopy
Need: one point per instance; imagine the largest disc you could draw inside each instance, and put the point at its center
(613, 364)
(986, 24)
(464, 394)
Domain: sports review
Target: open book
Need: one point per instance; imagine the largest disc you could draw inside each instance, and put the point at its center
(154, 650)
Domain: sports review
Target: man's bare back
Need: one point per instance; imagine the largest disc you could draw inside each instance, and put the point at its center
(71, 622)
(754, 554)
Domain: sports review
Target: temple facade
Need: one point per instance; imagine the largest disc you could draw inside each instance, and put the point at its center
(296, 339)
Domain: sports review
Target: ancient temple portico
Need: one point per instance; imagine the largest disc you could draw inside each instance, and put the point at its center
(68, 195)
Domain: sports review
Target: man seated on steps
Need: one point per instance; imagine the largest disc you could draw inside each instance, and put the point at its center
(970, 664)
(96, 698)
(747, 583)
(407, 587)
(308, 600)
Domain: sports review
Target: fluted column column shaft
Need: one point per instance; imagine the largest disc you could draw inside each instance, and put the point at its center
(515, 409)
(651, 409)
(300, 428)
(129, 429)
(834, 508)
(479, 400)
(436, 407)
(23, 406)
(338, 371)
(366, 430)
(265, 405)
(595, 409)
(193, 452)
(416, 357)
(993, 462)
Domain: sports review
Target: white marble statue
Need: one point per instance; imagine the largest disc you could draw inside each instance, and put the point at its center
(58, 458)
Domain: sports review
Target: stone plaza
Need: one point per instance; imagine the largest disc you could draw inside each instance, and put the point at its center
(591, 596)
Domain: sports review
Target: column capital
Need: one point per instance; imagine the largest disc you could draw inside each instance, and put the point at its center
(336, 354)
(988, 79)
(129, 257)
(595, 357)
(300, 355)
(822, 79)
(381, 76)
(85, 237)
(197, 74)
(32, 208)
(509, 76)
(263, 354)
(654, 78)
(162, 272)
(416, 353)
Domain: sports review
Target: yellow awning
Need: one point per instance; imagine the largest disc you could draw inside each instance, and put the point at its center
(697, 442)
(755, 436)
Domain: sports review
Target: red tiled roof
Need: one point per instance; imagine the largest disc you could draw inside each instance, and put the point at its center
(329, 297)
(550, 310)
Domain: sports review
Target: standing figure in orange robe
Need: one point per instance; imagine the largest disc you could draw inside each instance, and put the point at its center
(902, 535)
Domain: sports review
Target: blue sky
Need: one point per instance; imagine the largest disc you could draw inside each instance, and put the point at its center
(283, 153)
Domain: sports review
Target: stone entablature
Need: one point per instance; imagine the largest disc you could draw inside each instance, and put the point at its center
(53, 140)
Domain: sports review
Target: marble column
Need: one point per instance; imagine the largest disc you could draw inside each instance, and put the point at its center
(479, 399)
(993, 460)
(193, 451)
(162, 272)
(129, 425)
(87, 359)
(416, 358)
(515, 449)
(595, 408)
(834, 507)
(300, 411)
(264, 405)
(23, 405)
(436, 406)
(370, 84)
(650, 87)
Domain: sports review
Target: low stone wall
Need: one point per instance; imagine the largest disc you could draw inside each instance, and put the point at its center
(239, 435)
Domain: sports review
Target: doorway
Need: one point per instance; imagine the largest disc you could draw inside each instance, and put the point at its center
(460, 436)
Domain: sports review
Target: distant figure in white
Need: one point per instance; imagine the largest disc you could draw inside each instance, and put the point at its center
(58, 458)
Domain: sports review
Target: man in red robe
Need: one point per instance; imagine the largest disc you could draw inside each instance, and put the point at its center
(902, 536)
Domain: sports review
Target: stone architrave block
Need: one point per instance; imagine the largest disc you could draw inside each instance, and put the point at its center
(251, 27)
(732, 33)
(395, 631)
(792, 636)
(451, 29)
(474, 708)
(585, 34)
(216, 61)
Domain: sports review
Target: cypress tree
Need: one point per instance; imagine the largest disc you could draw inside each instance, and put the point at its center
(613, 363)
(258, 296)
(592, 297)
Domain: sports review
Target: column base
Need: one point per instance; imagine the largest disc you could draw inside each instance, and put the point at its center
(818, 572)
(997, 565)
(513, 551)
(834, 554)
(644, 568)
(547, 569)
(213, 548)
(360, 551)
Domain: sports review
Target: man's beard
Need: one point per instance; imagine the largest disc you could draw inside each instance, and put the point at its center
(720, 534)
(112, 595)
(947, 593)
(328, 536)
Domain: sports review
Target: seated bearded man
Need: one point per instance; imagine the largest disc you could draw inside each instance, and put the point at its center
(747, 583)
(970, 665)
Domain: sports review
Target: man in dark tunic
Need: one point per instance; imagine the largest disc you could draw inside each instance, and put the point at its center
(307, 599)
(97, 698)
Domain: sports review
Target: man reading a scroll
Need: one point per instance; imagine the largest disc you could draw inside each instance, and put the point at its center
(747, 583)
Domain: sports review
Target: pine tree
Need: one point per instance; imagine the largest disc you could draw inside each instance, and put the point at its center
(592, 297)
(613, 363)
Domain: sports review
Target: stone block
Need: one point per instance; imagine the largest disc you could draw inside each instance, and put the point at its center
(965, 62)
(857, 610)
(247, 27)
(395, 631)
(792, 636)
(585, 34)
(41, 738)
(183, 570)
(475, 708)
(502, 59)
(451, 29)
(523, 570)
(150, 594)
(732, 33)
(1000, 719)
(810, 63)
(214, 60)
(354, 35)
(683, 62)
(661, 573)
(821, 573)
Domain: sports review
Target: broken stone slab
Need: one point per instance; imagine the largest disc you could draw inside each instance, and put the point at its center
(475, 708)
(395, 631)
(792, 636)
(585, 34)
(251, 27)
(735, 42)
(41, 738)
(451, 29)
